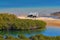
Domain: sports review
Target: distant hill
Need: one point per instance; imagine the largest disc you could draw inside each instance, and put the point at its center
(56, 14)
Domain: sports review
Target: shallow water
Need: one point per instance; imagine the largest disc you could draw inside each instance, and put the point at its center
(50, 31)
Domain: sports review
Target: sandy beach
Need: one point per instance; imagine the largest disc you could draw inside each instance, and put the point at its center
(49, 21)
(53, 22)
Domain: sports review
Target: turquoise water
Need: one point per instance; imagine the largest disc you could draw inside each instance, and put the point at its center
(52, 31)
(49, 31)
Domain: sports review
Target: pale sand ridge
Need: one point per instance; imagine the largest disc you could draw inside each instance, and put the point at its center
(49, 21)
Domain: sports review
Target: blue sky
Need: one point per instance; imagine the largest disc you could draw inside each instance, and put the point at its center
(25, 6)
(29, 3)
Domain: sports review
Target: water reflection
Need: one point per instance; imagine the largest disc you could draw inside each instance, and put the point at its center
(15, 33)
(49, 31)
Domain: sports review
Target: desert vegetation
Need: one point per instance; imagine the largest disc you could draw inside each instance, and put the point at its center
(11, 22)
(43, 37)
(36, 37)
